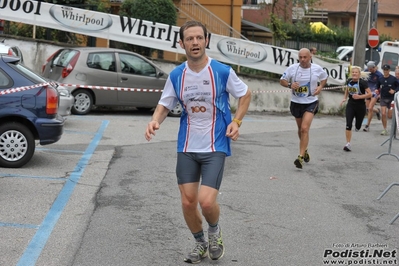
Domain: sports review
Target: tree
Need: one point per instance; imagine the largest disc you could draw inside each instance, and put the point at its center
(162, 11)
(98, 5)
(281, 12)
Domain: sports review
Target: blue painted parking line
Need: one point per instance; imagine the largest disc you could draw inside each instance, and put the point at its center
(39, 240)
(28, 226)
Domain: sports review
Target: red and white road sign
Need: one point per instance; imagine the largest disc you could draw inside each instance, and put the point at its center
(373, 39)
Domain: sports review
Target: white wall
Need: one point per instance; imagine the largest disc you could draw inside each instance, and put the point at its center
(268, 95)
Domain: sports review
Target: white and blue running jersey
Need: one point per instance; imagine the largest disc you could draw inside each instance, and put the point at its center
(204, 97)
(307, 78)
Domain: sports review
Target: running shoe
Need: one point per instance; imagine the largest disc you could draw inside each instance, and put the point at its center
(197, 254)
(216, 247)
(366, 128)
(299, 162)
(384, 132)
(378, 114)
(306, 157)
(347, 147)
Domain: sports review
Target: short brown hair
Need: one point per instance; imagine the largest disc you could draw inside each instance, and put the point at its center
(189, 24)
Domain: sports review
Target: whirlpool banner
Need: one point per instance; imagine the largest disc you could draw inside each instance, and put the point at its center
(158, 36)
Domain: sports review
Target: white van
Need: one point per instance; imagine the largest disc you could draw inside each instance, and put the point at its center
(389, 55)
(344, 53)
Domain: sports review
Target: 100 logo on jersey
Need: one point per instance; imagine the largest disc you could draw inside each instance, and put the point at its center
(197, 109)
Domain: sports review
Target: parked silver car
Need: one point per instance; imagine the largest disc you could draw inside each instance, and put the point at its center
(80, 68)
(66, 100)
(11, 50)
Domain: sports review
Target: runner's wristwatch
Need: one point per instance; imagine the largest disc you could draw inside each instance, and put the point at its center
(239, 122)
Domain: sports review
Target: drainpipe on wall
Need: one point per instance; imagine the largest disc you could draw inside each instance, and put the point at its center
(231, 25)
(231, 17)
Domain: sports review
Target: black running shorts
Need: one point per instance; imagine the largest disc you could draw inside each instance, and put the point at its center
(298, 109)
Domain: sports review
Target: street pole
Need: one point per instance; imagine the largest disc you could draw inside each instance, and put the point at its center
(361, 32)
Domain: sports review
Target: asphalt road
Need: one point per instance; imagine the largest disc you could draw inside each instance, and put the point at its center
(103, 195)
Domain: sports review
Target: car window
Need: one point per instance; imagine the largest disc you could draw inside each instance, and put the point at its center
(391, 59)
(103, 61)
(136, 65)
(31, 75)
(5, 81)
(63, 57)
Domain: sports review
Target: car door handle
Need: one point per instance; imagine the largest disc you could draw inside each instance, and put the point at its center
(124, 78)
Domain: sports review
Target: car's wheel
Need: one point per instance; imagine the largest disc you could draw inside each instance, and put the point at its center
(17, 145)
(83, 102)
(176, 112)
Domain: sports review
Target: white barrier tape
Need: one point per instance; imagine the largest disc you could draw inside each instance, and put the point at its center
(110, 88)
(8, 91)
(290, 90)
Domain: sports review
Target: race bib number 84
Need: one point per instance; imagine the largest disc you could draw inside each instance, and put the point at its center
(302, 91)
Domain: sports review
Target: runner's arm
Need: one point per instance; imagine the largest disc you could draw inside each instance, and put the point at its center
(160, 113)
(243, 105)
(242, 108)
(320, 87)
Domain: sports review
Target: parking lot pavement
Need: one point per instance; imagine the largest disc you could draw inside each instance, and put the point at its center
(35, 198)
(103, 195)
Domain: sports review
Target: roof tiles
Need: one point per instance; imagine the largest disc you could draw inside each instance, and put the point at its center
(386, 7)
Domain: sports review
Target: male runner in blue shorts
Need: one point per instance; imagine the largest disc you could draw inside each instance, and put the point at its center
(202, 85)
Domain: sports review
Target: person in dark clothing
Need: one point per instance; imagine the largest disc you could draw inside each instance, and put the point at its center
(313, 50)
(357, 91)
(374, 75)
(387, 85)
